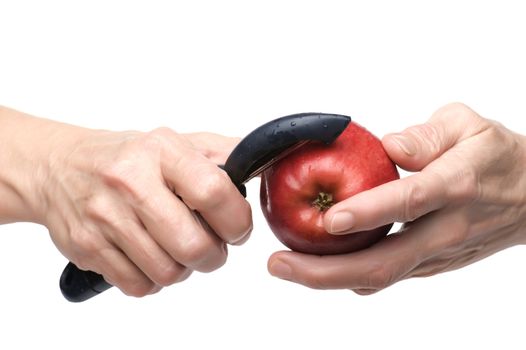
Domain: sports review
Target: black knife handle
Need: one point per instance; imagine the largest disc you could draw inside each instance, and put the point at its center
(77, 285)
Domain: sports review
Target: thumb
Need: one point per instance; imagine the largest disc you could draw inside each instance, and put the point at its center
(419, 145)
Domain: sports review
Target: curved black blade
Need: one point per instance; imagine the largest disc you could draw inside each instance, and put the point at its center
(273, 138)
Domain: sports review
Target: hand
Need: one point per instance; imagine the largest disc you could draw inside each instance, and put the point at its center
(142, 209)
(466, 202)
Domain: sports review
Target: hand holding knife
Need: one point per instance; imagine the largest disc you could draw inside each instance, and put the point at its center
(255, 153)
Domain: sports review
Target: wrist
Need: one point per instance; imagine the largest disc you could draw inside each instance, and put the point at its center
(30, 146)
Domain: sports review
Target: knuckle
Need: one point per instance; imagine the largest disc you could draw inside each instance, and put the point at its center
(457, 110)
(466, 188)
(169, 274)
(379, 277)
(115, 173)
(212, 190)
(428, 135)
(218, 261)
(184, 275)
(137, 288)
(126, 230)
(318, 279)
(496, 133)
(199, 254)
(120, 173)
(161, 141)
(125, 177)
(505, 144)
(454, 237)
(98, 208)
(84, 244)
(453, 240)
(163, 132)
(415, 200)
(154, 141)
(458, 107)
(316, 282)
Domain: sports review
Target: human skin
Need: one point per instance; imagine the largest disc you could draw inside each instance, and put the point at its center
(465, 201)
(144, 209)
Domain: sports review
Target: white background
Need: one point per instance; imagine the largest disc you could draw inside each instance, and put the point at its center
(228, 66)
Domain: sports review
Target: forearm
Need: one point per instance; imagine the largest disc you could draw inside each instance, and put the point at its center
(27, 147)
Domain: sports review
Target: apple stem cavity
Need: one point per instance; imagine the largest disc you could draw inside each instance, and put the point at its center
(323, 201)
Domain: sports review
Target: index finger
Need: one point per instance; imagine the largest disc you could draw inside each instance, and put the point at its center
(401, 200)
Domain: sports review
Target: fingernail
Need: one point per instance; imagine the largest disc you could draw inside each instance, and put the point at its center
(243, 238)
(280, 269)
(405, 144)
(341, 222)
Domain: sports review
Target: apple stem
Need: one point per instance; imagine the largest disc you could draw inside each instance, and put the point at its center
(323, 201)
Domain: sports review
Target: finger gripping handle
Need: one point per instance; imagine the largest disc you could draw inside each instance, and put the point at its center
(78, 285)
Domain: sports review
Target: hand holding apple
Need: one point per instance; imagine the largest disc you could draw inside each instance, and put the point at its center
(465, 202)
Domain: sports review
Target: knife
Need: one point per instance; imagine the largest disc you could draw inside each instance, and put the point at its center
(256, 152)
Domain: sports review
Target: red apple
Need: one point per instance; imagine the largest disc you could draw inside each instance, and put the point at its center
(297, 190)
